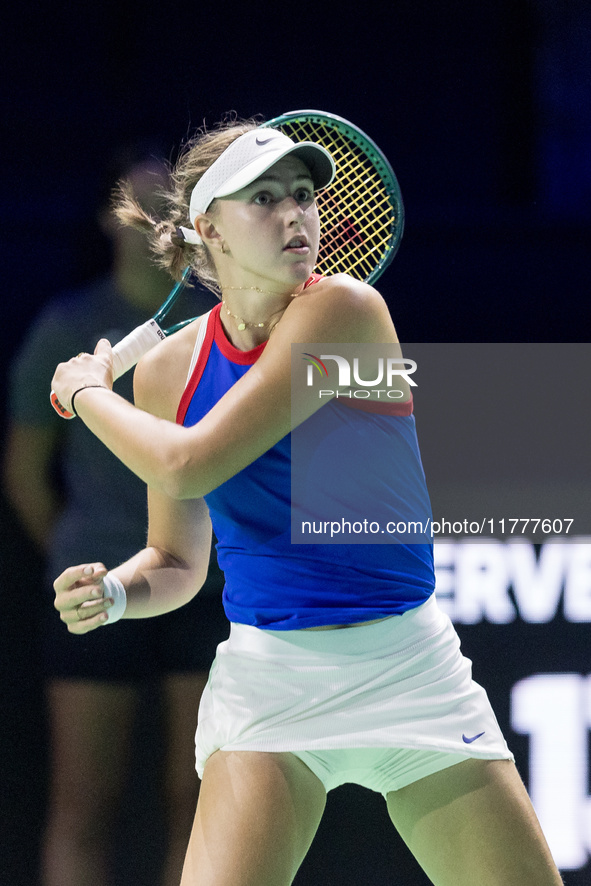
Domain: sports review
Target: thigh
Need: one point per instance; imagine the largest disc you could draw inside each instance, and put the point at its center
(474, 823)
(256, 817)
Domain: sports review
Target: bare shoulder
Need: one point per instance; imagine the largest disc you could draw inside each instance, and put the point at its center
(346, 289)
(160, 376)
(339, 308)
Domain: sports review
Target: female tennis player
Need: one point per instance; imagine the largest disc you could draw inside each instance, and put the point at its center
(339, 666)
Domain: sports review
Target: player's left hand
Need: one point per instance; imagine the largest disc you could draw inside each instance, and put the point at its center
(80, 597)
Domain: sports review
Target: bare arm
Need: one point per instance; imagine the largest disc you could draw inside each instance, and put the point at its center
(251, 417)
(163, 576)
(173, 566)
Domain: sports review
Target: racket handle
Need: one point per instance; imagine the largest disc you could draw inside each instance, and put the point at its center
(132, 348)
(126, 354)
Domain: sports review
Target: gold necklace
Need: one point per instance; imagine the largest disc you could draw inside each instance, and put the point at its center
(240, 321)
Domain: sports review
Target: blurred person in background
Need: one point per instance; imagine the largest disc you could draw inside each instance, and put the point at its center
(53, 469)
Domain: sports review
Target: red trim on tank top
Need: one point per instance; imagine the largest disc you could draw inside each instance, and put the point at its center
(198, 370)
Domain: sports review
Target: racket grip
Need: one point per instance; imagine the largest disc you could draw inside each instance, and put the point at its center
(132, 348)
(126, 354)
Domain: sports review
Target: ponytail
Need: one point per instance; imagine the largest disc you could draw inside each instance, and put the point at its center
(171, 248)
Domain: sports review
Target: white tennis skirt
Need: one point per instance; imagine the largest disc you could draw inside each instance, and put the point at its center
(399, 683)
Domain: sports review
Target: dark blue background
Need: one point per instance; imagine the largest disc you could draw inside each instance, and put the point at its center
(484, 110)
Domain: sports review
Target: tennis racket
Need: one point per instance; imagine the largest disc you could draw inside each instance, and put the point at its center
(361, 219)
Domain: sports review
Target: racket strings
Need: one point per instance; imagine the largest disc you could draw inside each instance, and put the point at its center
(357, 213)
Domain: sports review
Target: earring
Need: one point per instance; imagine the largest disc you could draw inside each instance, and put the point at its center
(225, 250)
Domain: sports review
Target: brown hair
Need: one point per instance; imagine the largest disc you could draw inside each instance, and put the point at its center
(171, 251)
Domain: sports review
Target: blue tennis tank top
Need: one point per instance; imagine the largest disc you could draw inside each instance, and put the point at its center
(269, 581)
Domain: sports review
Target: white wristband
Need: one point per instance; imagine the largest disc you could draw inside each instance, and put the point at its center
(114, 588)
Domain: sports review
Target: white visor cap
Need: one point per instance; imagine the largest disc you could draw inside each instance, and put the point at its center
(248, 157)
